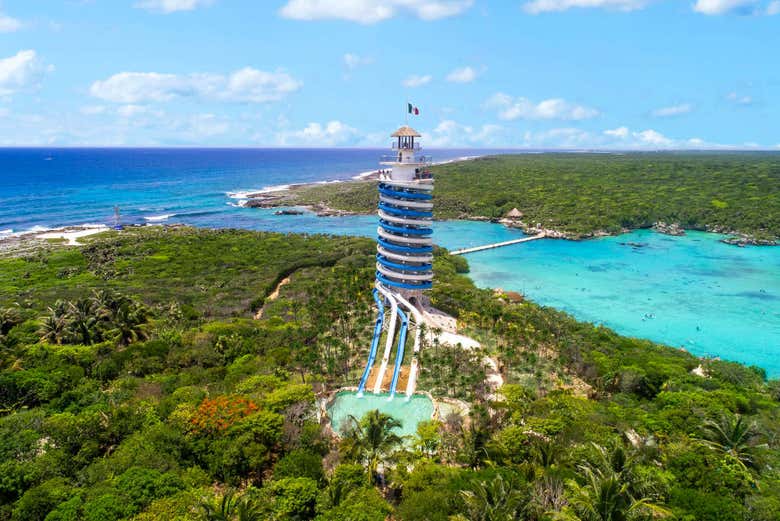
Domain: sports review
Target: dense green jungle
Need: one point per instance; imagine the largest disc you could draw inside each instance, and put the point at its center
(149, 375)
(585, 194)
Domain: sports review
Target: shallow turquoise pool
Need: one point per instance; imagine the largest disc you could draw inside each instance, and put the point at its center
(410, 413)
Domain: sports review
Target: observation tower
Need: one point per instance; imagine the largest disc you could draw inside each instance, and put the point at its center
(404, 243)
(403, 262)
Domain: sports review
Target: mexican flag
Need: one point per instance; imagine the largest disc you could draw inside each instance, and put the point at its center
(412, 109)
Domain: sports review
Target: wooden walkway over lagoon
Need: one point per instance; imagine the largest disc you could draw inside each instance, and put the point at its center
(497, 244)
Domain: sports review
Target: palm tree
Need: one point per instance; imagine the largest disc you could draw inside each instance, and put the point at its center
(371, 439)
(734, 436)
(129, 323)
(83, 321)
(54, 326)
(494, 500)
(546, 453)
(107, 303)
(231, 508)
(609, 492)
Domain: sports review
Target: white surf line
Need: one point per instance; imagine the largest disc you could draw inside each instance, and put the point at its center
(411, 383)
(390, 338)
(541, 235)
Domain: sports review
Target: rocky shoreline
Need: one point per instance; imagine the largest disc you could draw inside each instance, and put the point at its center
(286, 199)
(735, 238)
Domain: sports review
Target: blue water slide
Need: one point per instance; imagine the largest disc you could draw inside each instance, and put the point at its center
(399, 354)
(374, 342)
(389, 282)
(403, 249)
(402, 229)
(381, 259)
(402, 212)
(398, 194)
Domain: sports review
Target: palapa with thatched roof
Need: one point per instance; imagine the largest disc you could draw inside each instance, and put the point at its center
(514, 213)
(405, 131)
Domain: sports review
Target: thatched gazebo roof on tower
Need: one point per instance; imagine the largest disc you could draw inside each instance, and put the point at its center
(405, 131)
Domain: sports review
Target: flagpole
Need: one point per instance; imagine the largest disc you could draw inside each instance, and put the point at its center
(406, 111)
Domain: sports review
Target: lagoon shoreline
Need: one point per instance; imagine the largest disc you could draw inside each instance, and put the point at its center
(285, 196)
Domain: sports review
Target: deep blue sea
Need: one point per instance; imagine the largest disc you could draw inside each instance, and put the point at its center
(53, 187)
(693, 292)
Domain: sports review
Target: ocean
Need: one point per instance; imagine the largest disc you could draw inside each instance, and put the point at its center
(694, 292)
(44, 188)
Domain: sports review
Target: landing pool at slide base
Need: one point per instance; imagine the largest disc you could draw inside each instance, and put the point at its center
(410, 412)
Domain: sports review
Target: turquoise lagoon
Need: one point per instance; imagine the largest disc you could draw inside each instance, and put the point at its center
(694, 292)
(410, 412)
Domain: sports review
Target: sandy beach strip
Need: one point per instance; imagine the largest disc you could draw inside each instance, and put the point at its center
(72, 234)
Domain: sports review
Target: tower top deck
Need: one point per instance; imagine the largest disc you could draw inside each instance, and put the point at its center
(405, 131)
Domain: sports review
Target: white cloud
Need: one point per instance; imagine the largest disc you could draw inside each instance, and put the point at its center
(244, 85)
(622, 137)
(652, 137)
(133, 87)
(544, 6)
(449, 133)
(462, 75)
(131, 111)
(707, 7)
(510, 108)
(333, 133)
(417, 80)
(674, 110)
(256, 86)
(715, 7)
(172, 6)
(22, 71)
(372, 11)
(559, 138)
(9, 24)
(353, 61)
(620, 132)
(739, 99)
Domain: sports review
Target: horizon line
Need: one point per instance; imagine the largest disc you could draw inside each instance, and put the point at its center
(323, 147)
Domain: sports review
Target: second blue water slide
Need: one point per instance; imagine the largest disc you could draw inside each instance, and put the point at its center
(399, 354)
(374, 342)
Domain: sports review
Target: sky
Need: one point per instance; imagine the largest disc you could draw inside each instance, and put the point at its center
(570, 74)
